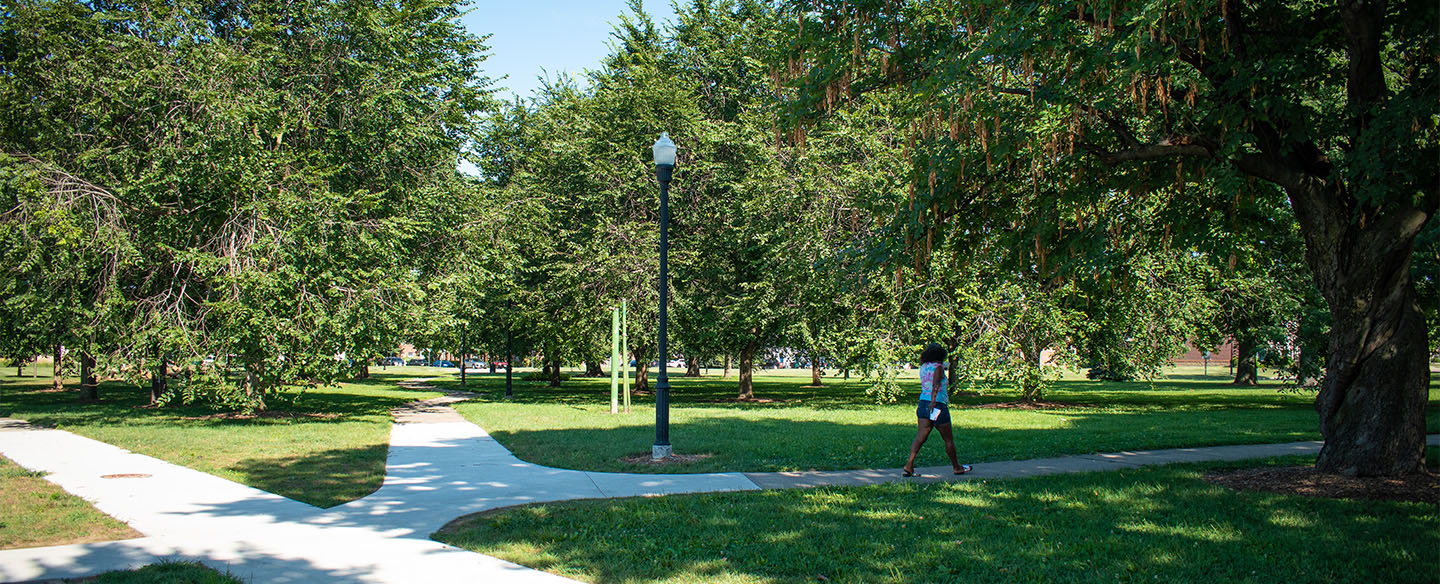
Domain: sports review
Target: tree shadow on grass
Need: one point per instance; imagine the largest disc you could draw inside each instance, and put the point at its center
(741, 444)
(785, 392)
(324, 479)
(699, 392)
(1160, 524)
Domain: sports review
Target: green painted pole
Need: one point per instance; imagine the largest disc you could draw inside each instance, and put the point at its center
(625, 351)
(614, 360)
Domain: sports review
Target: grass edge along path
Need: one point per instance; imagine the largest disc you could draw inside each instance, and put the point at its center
(1163, 523)
(38, 513)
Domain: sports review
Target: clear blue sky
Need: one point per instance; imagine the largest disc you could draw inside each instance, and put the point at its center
(530, 38)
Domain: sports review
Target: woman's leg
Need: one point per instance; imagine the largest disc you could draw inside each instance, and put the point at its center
(921, 434)
(949, 446)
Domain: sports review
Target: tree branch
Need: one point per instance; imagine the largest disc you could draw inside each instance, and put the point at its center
(1140, 152)
(1365, 84)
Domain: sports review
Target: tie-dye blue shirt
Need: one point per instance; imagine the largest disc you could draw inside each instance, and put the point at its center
(927, 378)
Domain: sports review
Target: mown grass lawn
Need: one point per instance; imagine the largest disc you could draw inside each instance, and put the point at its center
(326, 448)
(35, 512)
(1158, 524)
(839, 427)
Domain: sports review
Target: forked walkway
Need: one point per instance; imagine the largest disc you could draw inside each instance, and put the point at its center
(439, 467)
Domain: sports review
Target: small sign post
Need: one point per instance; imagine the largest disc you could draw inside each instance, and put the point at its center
(625, 351)
(615, 360)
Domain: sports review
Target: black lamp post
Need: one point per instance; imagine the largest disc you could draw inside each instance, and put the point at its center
(664, 163)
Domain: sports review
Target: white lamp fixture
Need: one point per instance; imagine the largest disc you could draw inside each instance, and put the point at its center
(664, 150)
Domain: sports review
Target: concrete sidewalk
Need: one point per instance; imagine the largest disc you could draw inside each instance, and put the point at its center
(1036, 466)
(439, 467)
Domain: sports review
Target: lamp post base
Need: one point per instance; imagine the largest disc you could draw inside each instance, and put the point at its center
(658, 452)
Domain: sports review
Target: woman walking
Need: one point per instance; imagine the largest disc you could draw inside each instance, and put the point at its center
(934, 408)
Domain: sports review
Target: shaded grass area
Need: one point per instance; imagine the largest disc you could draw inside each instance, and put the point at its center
(1162, 524)
(325, 448)
(163, 573)
(840, 427)
(35, 513)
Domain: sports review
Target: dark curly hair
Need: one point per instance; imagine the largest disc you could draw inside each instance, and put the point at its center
(933, 353)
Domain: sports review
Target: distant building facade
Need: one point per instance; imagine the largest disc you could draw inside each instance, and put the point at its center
(1194, 356)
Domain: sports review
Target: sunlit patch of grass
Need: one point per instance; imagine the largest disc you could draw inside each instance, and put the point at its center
(39, 513)
(1291, 518)
(1162, 524)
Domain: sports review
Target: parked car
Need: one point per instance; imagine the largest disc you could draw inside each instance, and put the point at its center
(415, 362)
(442, 363)
(391, 362)
(502, 365)
(475, 364)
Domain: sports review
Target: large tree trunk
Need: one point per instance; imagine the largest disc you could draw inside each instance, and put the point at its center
(954, 374)
(1247, 367)
(555, 373)
(1372, 402)
(57, 380)
(365, 371)
(727, 367)
(159, 382)
(89, 388)
(1032, 380)
(692, 366)
(747, 359)
(814, 371)
(255, 384)
(1306, 365)
(642, 371)
(463, 357)
(593, 369)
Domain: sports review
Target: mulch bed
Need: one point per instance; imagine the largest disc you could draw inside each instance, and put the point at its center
(1308, 482)
(646, 460)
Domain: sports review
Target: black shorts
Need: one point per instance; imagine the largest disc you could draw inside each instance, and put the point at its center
(923, 411)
